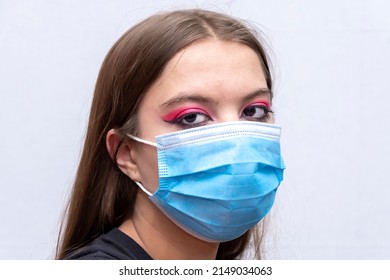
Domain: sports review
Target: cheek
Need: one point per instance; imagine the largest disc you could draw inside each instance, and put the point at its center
(148, 167)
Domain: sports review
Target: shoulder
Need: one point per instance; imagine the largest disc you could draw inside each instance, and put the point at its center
(114, 245)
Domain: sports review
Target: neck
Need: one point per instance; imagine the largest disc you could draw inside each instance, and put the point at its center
(161, 238)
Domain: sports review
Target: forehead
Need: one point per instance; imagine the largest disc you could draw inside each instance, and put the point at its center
(211, 67)
(209, 54)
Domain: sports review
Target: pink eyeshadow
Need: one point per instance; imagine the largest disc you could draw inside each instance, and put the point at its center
(177, 113)
(260, 102)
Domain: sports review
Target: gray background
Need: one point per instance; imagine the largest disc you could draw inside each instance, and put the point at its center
(331, 61)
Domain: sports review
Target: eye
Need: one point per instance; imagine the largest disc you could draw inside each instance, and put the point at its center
(256, 112)
(192, 119)
(188, 117)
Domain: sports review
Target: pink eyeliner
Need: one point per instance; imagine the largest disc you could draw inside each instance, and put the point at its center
(260, 102)
(177, 113)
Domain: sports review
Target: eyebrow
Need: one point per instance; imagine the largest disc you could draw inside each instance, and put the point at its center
(257, 93)
(185, 97)
(196, 97)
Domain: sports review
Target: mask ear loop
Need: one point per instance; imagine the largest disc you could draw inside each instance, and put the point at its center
(143, 188)
(150, 143)
(147, 143)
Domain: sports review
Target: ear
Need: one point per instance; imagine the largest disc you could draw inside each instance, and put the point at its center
(123, 153)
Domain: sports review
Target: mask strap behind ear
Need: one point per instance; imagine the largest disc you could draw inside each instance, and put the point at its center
(143, 188)
(150, 143)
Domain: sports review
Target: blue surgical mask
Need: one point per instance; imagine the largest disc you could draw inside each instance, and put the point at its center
(218, 181)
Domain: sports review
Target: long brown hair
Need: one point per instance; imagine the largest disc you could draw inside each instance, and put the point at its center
(102, 196)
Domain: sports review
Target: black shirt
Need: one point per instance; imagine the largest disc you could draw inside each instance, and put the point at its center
(114, 245)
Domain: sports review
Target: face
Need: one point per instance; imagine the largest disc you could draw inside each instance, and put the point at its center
(208, 82)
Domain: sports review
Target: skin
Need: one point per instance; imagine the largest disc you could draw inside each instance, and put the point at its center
(210, 81)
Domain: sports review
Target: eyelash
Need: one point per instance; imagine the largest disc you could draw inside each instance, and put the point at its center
(179, 120)
(267, 112)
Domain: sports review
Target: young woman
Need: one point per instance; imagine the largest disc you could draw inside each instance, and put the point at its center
(181, 159)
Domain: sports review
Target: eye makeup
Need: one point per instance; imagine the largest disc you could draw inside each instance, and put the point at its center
(257, 110)
(179, 112)
(261, 102)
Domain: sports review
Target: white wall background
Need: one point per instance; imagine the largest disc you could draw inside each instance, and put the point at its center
(332, 99)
